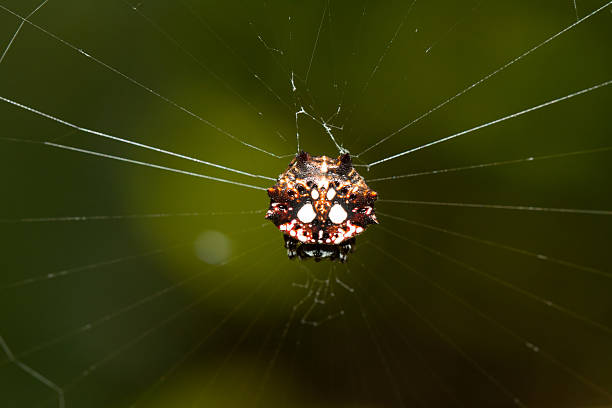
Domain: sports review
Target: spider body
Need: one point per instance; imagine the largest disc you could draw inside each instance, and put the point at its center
(321, 204)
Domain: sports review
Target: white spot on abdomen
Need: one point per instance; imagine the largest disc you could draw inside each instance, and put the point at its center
(307, 214)
(322, 183)
(331, 194)
(337, 214)
(314, 194)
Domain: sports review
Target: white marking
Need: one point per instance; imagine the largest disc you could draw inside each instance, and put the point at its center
(337, 214)
(314, 194)
(324, 167)
(288, 226)
(307, 213)
(331, 194)
(301, 236)
(323, 183)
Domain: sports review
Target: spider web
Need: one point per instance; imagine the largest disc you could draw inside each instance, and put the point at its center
(138, 269)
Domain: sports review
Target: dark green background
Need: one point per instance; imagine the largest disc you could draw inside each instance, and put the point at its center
(436, 348)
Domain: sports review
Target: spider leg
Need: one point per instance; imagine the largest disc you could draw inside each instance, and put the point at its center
(291, 245)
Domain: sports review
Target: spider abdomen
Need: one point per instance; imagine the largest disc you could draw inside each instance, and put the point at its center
(321, 204)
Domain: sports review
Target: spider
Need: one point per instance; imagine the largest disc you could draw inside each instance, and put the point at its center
(321, 204)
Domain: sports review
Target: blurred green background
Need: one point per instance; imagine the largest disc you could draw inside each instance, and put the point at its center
(206, 310)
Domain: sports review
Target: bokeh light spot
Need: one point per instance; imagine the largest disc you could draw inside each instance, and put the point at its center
(212, 247)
